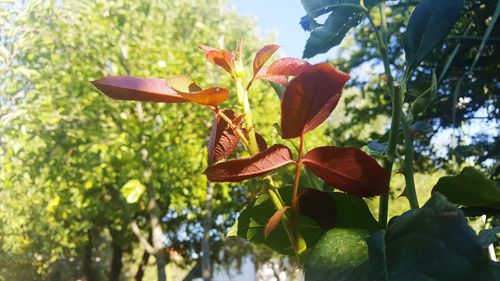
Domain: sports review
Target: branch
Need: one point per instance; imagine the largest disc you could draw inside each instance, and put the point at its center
(142, 239)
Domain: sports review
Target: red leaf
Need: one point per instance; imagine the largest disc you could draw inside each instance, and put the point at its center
(280, 70)
(139, 89)
(222, 58)
(262, 56)
(237, 170)
(310, 98)
(261, 142)
(274, 220)
(319, 206)
(348, 169)
(288, 67)
(211, 96)
(223, 139)
(157, 90)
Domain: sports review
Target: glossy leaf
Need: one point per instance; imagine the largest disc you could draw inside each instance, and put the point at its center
(348, 169)
(211, 96)
(262, 56)
(470, 188)
(341, 19)
(274, 221)
(288, 67)
(157, 90)
(223, 140)
(222, 58)
(429, 23)
(433, 243)
(138, 89)
(237, 170)
(310, 98)
(279, 71)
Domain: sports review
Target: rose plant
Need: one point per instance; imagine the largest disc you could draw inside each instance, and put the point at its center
(333, 233)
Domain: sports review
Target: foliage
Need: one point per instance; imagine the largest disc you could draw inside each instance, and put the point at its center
(435, 237)
(67, 152)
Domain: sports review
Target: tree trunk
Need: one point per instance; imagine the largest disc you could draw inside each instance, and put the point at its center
(142, 266)
(157, 235)
(87, 258)
(116, 262)
(206, 265)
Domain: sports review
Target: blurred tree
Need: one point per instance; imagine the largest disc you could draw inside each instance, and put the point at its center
(78, 169)
(466, 97)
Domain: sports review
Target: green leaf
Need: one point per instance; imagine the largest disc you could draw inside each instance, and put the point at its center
(344, 15)
(278, 89)
(133, 190)
(470, 189)
(429, 23)
(352, 212)
(254, 217)
(434, 243)
(488, 236)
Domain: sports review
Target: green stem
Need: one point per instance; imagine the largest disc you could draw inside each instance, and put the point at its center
(245, 104)
(396, 113)
(410, 190)
(298, 242)
(289, 223)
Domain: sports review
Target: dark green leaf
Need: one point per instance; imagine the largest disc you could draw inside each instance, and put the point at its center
(434, 243)
(470, 189)
(488, 236)
(254, 217)
(352, 212)
(344, 15)
(429, 23)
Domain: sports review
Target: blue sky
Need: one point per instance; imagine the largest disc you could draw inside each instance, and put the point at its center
(281, 16)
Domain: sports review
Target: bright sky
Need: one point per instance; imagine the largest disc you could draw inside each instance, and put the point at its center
(281, 16)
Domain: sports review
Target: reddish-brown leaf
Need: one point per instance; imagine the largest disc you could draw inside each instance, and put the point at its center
(319, 206)
(139, 89)
(310, 98)
(237, 170)
(262, 56)
(288, 67)
(348, 169)
(280, 70)
(211, 96)
(223, 139)
(222, 58)
(274, 220)
(157, 90)
(261, 142)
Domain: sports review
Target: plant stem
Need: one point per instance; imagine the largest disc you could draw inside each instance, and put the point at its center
(297, 174)
(396, 112)
(233, 126)
(289, 222)
(410, 191)
(298, 242)
(245, 104)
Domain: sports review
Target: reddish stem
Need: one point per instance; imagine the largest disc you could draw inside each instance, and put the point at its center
(297, 175)
(236, 128)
